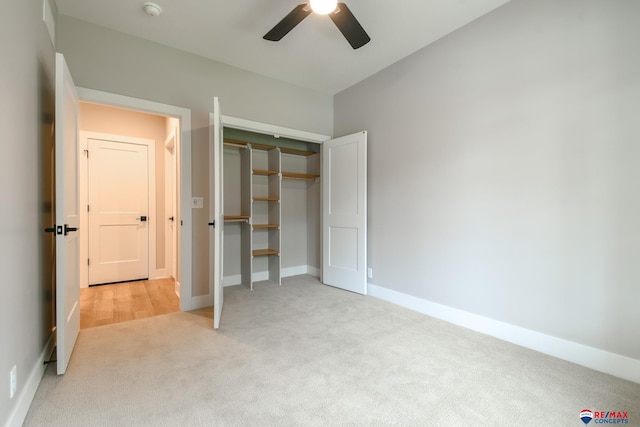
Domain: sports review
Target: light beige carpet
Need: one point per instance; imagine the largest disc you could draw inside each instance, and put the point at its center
(307, 354)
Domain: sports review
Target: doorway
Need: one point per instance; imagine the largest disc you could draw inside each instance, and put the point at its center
(128, 184)
(180, 118)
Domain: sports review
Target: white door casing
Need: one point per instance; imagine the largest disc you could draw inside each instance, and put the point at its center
(67, 215)
(120, 213)
(216, 223)
(184, 218)
(344, 212)
(170, 204)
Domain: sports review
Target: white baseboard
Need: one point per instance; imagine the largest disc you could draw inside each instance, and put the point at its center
(300, 270)
(264, 275)
(594, 358)
(160, 273)
(201, 301)
(231, 280)
(28, 392)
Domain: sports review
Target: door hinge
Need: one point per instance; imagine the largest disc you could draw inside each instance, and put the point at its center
(87, 208)
(88, 261)
(86, 153)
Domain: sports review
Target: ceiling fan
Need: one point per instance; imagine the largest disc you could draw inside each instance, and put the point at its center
(339, 14)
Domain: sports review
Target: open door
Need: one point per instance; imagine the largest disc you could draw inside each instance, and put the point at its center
(67, 218)
(344, 212)
(216, 223)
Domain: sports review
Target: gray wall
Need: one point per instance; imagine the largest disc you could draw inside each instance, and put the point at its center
(26, 113)
(503, 169)
(115, 62)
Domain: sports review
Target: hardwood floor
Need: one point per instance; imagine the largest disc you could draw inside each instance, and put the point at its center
(120, 302)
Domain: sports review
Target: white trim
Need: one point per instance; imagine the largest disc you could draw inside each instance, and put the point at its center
(294, 271)
(264, 275)
(85, 136)
(171, 194)
(28, 392)
(49, 21)
(202, 301)
(160, 273)
(177, 288)
(276, 131)
(231, 280)
(313, 271)
(594, 358)
(184, 211)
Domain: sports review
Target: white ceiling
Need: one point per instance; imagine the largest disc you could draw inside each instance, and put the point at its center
(313, 55)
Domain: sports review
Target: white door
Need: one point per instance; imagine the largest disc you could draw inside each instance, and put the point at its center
(344, 212)
(118, 179)
(67, 218)
(216, 222)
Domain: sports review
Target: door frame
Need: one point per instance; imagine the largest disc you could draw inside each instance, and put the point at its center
(170, 195)
(83, 178)
(251, 126)
(184, 281)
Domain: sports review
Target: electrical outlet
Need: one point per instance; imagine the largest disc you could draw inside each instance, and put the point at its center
(13, 381)
(370, 273)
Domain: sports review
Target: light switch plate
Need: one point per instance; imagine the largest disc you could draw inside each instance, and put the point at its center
(197, 202)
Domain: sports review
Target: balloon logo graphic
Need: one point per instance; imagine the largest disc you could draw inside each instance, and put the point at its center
(586, 416)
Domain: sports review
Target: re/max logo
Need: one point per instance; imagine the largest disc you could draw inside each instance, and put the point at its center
(613, 414)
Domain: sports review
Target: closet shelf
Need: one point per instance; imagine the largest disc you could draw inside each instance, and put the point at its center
(260, 226)
(236, 218)
(266, 199)
(300, 176)
(264, 172)
(297, 152)
(233, 143)
(265, 252)
(267, 147)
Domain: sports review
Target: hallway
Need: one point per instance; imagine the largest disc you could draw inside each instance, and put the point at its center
(120, 302)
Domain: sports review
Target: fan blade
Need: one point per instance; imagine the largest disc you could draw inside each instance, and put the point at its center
(288, 23)
(349, 26)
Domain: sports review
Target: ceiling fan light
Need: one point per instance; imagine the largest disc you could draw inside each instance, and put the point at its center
(323, 7)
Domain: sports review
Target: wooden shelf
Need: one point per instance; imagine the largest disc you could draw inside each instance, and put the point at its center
(266, 199)
(297, 152)
(300, 176)
(264, 252)
(267, 147)
(236, 218)
(264, 172)
(260, 226)
(234, 143)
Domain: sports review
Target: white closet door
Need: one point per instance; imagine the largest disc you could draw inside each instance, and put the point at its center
(67, 216)
(344, 212)
(216, 223)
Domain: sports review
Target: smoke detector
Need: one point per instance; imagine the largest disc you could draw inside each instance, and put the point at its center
(151, 9)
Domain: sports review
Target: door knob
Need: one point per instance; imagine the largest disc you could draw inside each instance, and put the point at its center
(171, 219)
(68, 229)
(142, 218)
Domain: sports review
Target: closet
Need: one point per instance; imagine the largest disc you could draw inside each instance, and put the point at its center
(270, 214)
(271, 208)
